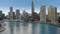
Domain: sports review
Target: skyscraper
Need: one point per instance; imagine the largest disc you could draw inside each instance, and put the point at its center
(2, 16)
(25, 15)
(52, 14)
(11, 9)
(0, 12)
(11, 13)
(17, 14)
(32, 6)
(32, 10)
(43, 13)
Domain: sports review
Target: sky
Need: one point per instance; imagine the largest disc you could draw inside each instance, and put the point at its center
(26, 5)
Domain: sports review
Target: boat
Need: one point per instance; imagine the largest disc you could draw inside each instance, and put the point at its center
(2, 29)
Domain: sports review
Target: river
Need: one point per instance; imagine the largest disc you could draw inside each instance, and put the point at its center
(30, 28)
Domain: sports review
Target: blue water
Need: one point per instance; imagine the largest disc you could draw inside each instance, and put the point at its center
(32, 28)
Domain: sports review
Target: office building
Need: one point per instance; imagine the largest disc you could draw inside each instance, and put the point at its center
(11, 9)
(52, 14)
(11, 14)
(0, 12)
(2, 16)
(43, 13)
(17, 14)
(25, 15)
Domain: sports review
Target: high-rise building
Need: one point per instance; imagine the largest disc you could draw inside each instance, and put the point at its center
(58, 15)
(32, 7)
(14, 15)
(0, 12)
(52, 14)
(34, 14)
(43, 13)
(25, 15)
(17, 14)
(2, 17)
(11, 13)
(11, 9)
(32, 10)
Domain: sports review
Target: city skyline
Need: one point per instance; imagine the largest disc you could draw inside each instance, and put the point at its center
(26, 4)
(29, 16)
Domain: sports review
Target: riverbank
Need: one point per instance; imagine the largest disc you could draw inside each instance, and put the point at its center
(51, 23)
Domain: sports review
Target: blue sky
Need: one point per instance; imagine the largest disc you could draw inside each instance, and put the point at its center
(26, 4)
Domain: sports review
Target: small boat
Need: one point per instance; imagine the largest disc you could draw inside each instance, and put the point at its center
(2, 29)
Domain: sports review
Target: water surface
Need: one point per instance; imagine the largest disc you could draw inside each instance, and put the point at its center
(30, 28)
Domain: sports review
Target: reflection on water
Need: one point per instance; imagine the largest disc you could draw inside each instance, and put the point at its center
(17, 27)
(31, 28)
(11, 25)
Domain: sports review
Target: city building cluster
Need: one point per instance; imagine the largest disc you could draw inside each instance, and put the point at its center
(41, 17)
